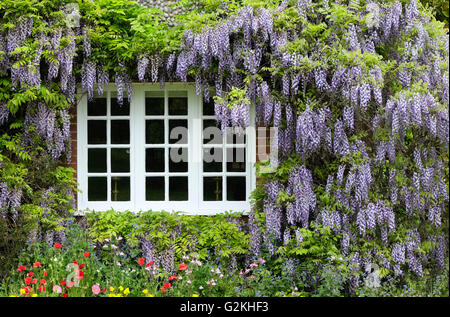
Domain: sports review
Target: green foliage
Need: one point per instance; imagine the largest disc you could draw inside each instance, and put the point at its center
(183, 233)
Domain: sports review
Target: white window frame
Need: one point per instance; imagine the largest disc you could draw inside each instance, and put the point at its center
(195, 204)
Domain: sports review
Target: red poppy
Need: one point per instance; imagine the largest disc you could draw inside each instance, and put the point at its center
(104, 290)
(45, 273)
(141, 261)
(172, 277)
(41, 289)
(65, 295)
(63, 283)
(21, 268)
(82, 265)
(86, 254)
(30, 274)
(58, 246)
(163, 290)
(150, 263)
(182, 267)
(42, 282)
(75, 262)
(34, 281)
(37, 264)
(80, 275)
(167, 285)
(28, 280)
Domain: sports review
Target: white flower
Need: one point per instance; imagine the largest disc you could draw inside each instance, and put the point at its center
(201, 287)
(118, 263)
(188, 281)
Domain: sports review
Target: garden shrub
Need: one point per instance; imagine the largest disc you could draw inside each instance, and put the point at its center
(166, 237)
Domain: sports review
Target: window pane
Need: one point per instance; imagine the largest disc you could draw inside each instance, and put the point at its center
(96, 131)
(178, 132)
(178, 160)
(178, 188)
(96, 160)
(211, 132)
(97, 107)
(120, 132)
(97, 188)
(154, 131)
(212, 160)
(178, 103)
(120, 110)
(120, 188)
(208, 107)
(212, 188)
(236, 188)
(154, 188)
(154, 160)
(120, 160)
(234, 137)
(154, 103)
(236, 160)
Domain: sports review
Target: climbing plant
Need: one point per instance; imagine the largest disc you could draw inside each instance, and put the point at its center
(357, 89)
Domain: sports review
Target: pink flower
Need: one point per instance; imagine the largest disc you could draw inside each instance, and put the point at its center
(261, 260)
(57, 289)
(95, 289)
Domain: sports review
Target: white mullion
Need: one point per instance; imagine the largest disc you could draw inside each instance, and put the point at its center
(166, 142)
(139, 146)
(108, 148)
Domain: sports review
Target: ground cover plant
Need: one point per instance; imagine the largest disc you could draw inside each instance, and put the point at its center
(356, 202)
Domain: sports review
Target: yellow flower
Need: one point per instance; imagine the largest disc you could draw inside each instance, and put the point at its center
(126, 291)
(12, 295)
(34, 295)
(22, 291)
(145, 291)
(111, 295)
(111, 289)
(150, 295)
(120, 288)
(194, 295)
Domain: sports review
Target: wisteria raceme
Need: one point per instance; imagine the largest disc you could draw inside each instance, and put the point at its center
(142, 67)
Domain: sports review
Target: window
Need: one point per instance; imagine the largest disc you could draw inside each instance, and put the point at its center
(163, 151)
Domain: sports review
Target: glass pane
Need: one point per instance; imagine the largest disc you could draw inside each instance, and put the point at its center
(178, 132)
(154, 131)
(96, 131)
(208, 107)
(97, 188)
(178, 103)
(96, 160)
(178, 188)
(154, 103)
(212, 160)
(154, 188)
(178, 160)
(235, 137)
(120, 110)
(211, 132)
(120, 132)
(236, 188)
(120, 160)
(236, 160)
(212, 188)
(97, 107)
(120, 188)
(154, 160)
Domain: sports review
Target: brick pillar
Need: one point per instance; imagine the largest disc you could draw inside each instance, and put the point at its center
(73, 136)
